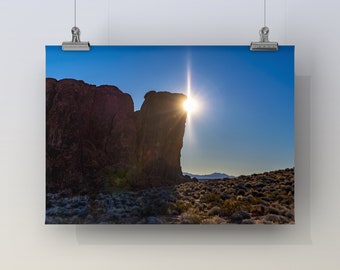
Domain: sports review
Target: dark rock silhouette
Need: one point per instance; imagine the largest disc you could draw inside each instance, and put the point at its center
(160, 131)
(88, 129)
(96, 142)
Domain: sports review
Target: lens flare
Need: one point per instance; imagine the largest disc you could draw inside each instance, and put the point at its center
(190, 105)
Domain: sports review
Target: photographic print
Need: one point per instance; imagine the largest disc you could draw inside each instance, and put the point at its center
(169, 135)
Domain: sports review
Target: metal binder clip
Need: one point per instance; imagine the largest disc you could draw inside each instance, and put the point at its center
(75, 44)
(264, 44)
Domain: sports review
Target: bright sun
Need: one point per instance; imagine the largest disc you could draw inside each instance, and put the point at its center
(190, 105)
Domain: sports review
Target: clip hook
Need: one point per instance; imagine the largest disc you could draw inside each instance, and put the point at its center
(75, 34)
(264, 33)
(264, 44)
(75, 44)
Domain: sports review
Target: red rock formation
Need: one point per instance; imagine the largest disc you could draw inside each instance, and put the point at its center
(95, 141)
(88, 129)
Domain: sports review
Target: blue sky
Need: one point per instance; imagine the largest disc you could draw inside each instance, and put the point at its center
(244, 123)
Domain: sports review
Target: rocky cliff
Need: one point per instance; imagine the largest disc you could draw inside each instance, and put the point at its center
(96, 142)
(160, 131)
(88, 129)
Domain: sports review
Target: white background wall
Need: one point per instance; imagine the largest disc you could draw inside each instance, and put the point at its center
(26, 243)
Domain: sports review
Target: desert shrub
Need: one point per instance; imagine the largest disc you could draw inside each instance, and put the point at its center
(190, 218)
(248, 185)
(195, 219)
(272, 195)
(200, 207)
(214, 199)
(272, 210)
(215, 211)
(155, 209)
(239, 198)
(257, 194)
(258, 210)
(248, 221)
(118, 180)
(229, 207)
(182, 206)
(239, 216)
(289, 214)
(245, 205)
(276, 219)
(162, 208)
(241, 192)
(214, 220)
(254, 200)
(225, 196)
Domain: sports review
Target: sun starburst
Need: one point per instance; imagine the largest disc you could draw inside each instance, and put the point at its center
(190, 105)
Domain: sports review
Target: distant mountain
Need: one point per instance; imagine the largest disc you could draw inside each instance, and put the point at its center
(212, 176)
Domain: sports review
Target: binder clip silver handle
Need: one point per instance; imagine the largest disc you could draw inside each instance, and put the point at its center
(75, 34)
(75, 44)
(264, 44)
(264, 33)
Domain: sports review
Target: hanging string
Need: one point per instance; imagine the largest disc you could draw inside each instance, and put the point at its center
(265, 12)
(75, 12)
(108, 21)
